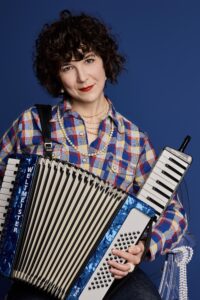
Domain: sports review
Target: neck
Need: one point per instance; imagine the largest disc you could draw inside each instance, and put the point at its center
(90, 109)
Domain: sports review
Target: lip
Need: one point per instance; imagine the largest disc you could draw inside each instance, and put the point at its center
(87, 88)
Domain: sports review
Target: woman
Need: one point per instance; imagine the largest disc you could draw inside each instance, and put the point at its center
(75, 56)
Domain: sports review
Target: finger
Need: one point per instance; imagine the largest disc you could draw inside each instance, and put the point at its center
(118, 273)
(116, 265)
(129, 257)
(136, 249)
(126, 255)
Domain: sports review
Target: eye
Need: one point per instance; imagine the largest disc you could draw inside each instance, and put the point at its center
(66, 68)
(89, 60)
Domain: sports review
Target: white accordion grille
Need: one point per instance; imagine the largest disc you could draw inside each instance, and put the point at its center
(69, 211)
(104, 277)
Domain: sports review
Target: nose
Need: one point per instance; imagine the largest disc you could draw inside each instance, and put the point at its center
(82, 75)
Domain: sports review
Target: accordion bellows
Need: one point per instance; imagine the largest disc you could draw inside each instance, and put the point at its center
(57, 216)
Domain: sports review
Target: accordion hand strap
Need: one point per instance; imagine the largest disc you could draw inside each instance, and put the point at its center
(147, 238)
(44, 112)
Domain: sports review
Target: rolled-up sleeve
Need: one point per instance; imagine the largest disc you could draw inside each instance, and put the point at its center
(169, 229)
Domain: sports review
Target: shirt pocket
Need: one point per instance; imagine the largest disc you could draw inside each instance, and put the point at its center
(121, 173)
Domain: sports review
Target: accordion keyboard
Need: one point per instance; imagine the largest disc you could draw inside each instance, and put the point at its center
(164, 179)
(6, 188)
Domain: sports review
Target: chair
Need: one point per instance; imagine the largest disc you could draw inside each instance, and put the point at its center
(173, 284)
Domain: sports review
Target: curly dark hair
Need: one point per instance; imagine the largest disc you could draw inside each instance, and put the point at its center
(60, 40)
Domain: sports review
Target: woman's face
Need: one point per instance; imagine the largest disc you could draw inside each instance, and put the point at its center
(84, 80)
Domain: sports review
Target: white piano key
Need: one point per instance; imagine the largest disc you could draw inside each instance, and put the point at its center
(165, 160)
(156, 193)
(12, 168)
(147, 194)
(6, 191)
(4, 197)
(9, 179)
(158, 171)
(150, 203)
(3, 200)
(170, 155)
(7, 185)
(2, 221)
(148, 188)
(13, 161)
(2, 215)
(153, 183)
(156, 177)
(3, 209)
(10, 173)
(164, 168)
(3, 203)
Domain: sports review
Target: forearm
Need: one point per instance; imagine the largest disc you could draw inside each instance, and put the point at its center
(168, 230)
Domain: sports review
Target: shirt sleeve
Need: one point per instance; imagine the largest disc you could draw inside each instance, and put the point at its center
(24, 136)
(8, 145)
(170, 227)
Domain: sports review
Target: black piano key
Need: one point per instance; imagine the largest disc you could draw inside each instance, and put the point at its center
(177, 163)
(170, 176)
(160, 192)
(155, 202)
(174, 170)
(165, 186)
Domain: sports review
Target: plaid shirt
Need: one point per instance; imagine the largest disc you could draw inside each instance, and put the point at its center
(125, 161)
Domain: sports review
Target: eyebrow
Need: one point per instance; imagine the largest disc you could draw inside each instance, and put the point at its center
(84, 57)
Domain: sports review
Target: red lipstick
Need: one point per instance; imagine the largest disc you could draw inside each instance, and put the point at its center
(86, 89)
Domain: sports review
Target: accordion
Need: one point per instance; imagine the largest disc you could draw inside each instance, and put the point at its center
(59, 223)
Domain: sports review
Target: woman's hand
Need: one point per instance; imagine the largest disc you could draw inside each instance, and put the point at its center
(132, 257)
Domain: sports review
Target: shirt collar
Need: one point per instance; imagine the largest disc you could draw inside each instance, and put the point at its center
(116, 117)
(65, 109)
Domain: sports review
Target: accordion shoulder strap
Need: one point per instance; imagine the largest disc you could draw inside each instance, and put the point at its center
(44, 111)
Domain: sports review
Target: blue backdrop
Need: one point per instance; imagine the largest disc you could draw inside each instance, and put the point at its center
(159, 91)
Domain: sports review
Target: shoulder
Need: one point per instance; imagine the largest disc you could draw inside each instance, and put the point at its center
(28, 114)
(30, 117)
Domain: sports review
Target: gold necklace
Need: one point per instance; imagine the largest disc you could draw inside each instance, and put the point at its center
(93, 123)
(93, 133)
(95, 127)
(98, 114)
(75, 147)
